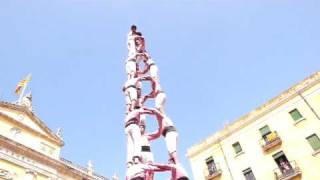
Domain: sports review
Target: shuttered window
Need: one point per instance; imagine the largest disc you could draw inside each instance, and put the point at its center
(314, 141)
(295, 114)
(265, 130)
(237, 147)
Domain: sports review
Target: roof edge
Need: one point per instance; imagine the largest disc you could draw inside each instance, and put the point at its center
(245, 120)
(33, 117)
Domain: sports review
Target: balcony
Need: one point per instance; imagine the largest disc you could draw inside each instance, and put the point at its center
(270, 141)
(288, 171)
(213, 172)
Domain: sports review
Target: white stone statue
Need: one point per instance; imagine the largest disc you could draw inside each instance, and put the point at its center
(90, 168)
(59, 133)
(27, 101)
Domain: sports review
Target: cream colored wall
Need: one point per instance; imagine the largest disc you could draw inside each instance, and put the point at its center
(19, 172)
(294, 143)
(199, 165)
(12, 168)
(28, 138)
(16, 163)
(22, 118)
(298, 147)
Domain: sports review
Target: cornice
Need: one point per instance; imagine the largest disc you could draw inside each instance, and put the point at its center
(61, 164)
(80, 168)
(32, 116)
(255, 114)
(22, 125)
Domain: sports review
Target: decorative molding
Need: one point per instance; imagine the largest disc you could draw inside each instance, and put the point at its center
(14, 151)
(5, 174)
(29, 171)
(34, 118)
(23, 126)
(25, 162)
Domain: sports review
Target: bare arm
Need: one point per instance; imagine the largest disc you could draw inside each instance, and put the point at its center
(158, 133)
(152, 94)
(146, 66)
(145, 110)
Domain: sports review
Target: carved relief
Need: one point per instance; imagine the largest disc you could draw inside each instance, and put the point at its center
(5, 174)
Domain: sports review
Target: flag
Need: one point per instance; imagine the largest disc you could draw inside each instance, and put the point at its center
(22, 84)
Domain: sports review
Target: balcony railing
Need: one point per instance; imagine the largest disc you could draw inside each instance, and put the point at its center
(287, 171)
(270, 141)
(213, 172)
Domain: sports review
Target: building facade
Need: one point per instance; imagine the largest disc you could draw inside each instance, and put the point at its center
(278, 140)
(29, 150)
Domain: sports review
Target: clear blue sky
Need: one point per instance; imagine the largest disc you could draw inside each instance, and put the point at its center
(218, 60)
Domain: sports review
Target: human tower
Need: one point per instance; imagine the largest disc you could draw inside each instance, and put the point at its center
(141, 70)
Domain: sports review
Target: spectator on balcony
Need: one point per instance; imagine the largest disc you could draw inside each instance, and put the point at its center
(285, 166)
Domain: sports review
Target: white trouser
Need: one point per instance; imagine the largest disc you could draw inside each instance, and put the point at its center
(131, 67)
(171, 141)
(137, 170)
(133, 141)
(131, 95)
(154, 71)
(160, 100)
(147, 157)
(131, 46)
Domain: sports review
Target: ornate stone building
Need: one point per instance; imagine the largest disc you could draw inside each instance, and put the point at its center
(278, 140)
(29, 150)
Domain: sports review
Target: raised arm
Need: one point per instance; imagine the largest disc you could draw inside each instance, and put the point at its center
(146, 66)
(156, 134)
(152, 94)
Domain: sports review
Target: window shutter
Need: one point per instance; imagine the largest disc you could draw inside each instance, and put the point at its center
(237, 147)
(314, 141)
(265, 130)
(295, 114)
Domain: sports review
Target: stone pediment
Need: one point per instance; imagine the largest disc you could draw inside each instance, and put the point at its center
(25, 118)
